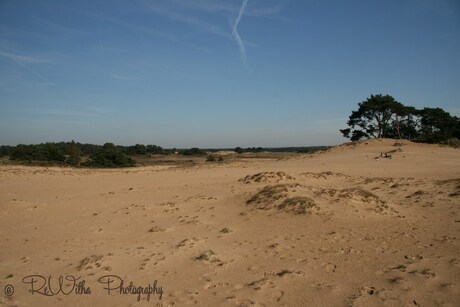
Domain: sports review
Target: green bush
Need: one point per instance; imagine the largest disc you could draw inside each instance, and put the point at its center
(41, 152)
(110, 156)
(193, 151)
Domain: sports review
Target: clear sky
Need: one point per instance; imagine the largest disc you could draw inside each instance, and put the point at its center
(217, 73)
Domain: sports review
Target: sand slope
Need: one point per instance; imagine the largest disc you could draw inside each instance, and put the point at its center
(344, 227)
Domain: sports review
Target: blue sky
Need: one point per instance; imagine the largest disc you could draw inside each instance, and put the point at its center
(217, 73)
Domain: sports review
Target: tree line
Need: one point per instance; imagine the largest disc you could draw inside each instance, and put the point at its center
(107, 155)
(381, 116)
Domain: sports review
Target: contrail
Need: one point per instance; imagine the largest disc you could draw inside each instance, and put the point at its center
(235, 34)
(31, 70)
(240, 14)
(20, 60)
(240, 43)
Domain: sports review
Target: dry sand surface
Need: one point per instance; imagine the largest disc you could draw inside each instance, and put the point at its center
(342, 227)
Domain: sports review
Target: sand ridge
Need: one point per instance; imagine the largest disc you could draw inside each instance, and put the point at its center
(344, 227)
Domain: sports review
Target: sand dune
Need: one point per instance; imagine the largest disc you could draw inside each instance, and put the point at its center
(343, 227)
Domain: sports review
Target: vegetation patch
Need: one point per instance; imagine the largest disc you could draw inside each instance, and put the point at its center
(266, 177)
(277, 197)
(109, 157)
(297, 205)
(214, 158)
(269, 194)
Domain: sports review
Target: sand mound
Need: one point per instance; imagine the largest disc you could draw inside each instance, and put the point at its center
(267, 177)
(278, 197)
(453, 185)
(297, 205)
(300, 199)
(357, 198)
(323, 175)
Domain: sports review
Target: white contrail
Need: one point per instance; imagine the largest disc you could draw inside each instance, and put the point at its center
(235, 34)
(31, 70)
(240, 43)
(20, 59)
(240, 14)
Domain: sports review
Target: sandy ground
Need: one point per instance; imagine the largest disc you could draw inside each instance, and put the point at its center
(339, 228)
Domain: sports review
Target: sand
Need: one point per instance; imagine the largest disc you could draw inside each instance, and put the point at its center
(344, 227)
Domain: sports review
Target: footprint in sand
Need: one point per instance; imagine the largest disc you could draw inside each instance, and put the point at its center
(329, 267)
(91, 263)
(225, 230)
(188, 242)
(155, 258)
(209, 257)
(157, 229)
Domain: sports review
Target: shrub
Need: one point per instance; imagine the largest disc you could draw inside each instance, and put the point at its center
(110, 156)
(193, 151)
(453, 142)
(214, 158)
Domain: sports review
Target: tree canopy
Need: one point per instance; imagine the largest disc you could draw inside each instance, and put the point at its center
(381, 116)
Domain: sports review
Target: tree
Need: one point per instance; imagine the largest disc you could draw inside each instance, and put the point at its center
(75, 154)
(6, 150)
(384, 117)
(409, 123)
(437, 125)
(372, 119)
(154, 149)
(193, 151)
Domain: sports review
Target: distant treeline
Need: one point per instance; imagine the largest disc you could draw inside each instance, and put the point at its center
(109, 154)
(50, 151)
